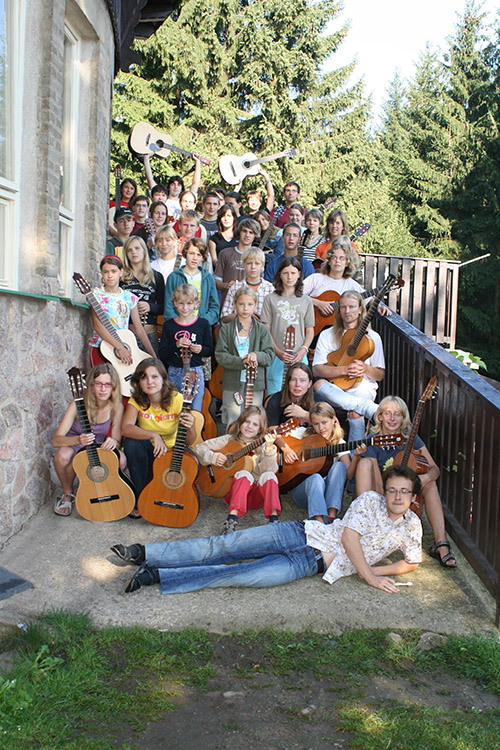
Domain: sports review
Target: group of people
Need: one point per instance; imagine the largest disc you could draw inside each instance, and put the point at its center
(250, 309)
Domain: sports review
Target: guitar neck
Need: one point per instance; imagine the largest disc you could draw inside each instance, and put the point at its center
(91, 449)
(249, 395)
(330, 450)
(268, 231)
(180, 442)
(413, 432)
(103, 318)
(351, 349)
(263, 159)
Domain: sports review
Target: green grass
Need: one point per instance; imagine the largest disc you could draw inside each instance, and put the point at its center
(72, 686)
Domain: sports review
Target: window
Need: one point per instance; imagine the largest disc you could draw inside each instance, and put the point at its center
(68, 163)
(10, 123)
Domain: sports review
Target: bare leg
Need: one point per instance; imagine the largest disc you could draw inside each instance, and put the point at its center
(63, 464)
(368, 477)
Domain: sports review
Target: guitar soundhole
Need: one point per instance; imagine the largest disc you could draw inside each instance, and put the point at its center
(97, 473)
(160, 143)
(173, 479)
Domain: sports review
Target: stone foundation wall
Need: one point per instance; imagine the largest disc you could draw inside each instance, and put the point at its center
(39, 341)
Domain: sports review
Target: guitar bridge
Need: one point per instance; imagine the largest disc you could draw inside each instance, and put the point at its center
(104, 499)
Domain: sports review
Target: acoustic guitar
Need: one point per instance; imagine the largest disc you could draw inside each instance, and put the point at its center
(145, 140)
(323, 321)
(215, 481)
(313, 453)
(104, 493)
(122, 337)
(355, 345)
(278, 213)
(234, 169)
(171, 498)
(409, 457)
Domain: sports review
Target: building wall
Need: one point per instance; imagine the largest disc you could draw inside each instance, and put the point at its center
(42, 332)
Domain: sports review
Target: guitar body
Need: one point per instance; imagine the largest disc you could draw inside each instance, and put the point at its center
(209, 430)
(103, 494)
(215, 382)
(145, 140)
(322, 321)
(171, 498)
(216, 481)
(364, 350)
(233, 170)
(124, 371)
(291, 475)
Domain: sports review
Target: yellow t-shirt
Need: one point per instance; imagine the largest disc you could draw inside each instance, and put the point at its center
(164, 422)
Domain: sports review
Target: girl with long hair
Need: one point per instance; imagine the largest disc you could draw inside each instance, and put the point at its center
(283, 308)
(225, 236)
(120, 306)
(313, 236)
(322, 496)
(151, 420)
(148, 285)
(103, 404)
(257, 488)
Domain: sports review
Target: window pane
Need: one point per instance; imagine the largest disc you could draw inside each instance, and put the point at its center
(5, 104)
(67, 124)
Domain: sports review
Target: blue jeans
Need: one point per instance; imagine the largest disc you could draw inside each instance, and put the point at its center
(316, 494)
(176, 375)
(344, 400)
(274, 554)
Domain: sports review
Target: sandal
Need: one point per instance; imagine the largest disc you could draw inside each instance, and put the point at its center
(134, 513)
(63, 506)
(433, 552)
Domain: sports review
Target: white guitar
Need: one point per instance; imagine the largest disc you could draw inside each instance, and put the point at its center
(145, 140)
(123, 337)
(234, 169)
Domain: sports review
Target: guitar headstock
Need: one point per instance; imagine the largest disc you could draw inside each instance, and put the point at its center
(186, 355)
(149, 225)
(360, 231)
(118, 172)
(289, 152)
(430, 389)
(288, 426)
(289, 339)
(81, 283)
(250, 374)
(328, 203)
(204, 159)
(189, 388)
(76, 380)
(388, 440)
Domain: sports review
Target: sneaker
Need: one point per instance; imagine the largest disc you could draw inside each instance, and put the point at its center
(229, 525)
(147, 575)
(273, 518)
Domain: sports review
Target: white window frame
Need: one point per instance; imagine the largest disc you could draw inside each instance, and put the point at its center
(9, 186)
(67, 209)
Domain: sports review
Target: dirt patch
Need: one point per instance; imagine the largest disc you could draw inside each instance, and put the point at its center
(247, 705)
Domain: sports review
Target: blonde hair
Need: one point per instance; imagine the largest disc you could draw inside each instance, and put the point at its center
(235, 427)
(406, 423)
(167, 232)
(338, 323)
(352, 258)
(323, 409)
(89, 396)
(253, 253)
(145, 273)
(245, 290)
(186, 290)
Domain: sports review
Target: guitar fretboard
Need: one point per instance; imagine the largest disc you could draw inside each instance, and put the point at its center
(91, 449)
(103, 318)
(351, 349)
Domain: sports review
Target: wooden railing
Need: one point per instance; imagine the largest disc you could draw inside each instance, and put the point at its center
(429, 296)
(461, 427)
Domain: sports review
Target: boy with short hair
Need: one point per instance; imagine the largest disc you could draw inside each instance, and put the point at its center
(253, 262)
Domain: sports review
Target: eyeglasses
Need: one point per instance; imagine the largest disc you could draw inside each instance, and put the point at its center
(104, 386)
(392, 413)
(393, 491)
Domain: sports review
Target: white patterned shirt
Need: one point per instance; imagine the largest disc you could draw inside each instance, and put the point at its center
(378, 535)
(264, 288)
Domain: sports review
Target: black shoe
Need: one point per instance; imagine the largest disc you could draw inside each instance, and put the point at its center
(147, 575)
(135, 554)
